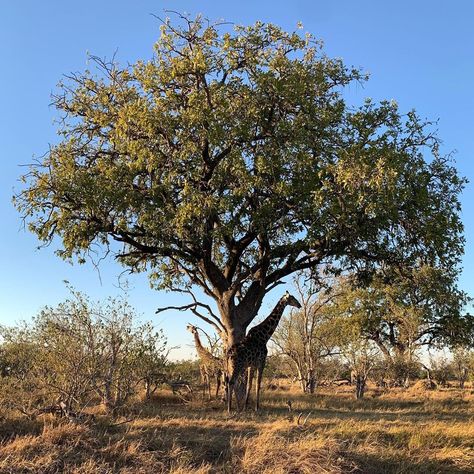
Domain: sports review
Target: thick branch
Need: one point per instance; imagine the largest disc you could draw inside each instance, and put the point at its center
(192, 307)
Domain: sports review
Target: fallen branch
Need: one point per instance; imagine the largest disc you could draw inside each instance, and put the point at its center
(122, 422)
(304, 421)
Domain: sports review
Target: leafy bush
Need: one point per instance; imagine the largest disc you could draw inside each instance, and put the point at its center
(78, 353)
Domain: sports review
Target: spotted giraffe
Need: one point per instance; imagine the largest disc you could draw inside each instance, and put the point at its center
(251, 353)
(210, 366)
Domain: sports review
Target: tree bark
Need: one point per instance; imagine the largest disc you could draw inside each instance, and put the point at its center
(236, 319)
(301, 378)
(311, 381)
(311, 385)
(360, 386)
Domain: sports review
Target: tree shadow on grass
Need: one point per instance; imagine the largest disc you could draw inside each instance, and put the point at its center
(11, 428)
(328, 406)
(374, 464)
(202, 443)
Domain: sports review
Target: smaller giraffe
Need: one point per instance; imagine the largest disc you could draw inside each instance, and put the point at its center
(210, 366)
(251, 353)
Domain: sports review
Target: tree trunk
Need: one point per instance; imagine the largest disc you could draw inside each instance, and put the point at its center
(463, 378)
(301, 379)
(311, 385)
(311, 382)
(360, 386)
(236, 330)
(353, 377)
(108, 399)
(236, 321)
(428, 373)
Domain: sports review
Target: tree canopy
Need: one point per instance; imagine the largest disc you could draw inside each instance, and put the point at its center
(230, 160)
(408, 310)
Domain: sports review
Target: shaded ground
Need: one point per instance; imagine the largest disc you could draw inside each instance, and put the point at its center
(395, 432)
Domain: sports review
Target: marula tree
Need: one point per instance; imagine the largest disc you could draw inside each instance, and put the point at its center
(230, 160)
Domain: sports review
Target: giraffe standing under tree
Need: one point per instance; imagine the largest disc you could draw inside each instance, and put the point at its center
(251, 353)
(210, 366)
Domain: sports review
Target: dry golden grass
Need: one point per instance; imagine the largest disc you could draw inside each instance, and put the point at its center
(401, 431)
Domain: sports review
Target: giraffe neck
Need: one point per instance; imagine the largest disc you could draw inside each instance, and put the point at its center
(266, 328)
(203, 353)
(199, 347)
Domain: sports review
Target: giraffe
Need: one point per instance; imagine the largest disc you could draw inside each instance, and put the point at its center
(251, 353)
(210, 366)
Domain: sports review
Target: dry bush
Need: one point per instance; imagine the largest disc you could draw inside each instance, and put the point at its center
(78, 353)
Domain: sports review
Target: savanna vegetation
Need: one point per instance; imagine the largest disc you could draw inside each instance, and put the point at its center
(224, 166)
(86, 388)
(394, 431)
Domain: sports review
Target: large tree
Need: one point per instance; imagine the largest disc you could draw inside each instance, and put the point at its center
(231, 160)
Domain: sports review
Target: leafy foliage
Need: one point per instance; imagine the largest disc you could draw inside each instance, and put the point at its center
(79, 353)
(405, 310)
(230, 160)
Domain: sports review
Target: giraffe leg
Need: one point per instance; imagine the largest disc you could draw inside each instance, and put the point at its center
(228, 393)
(205, 389)
(237, 388)
(209, 386)
(250, 373)
(203, 381)
(257, 388)
(218, 384)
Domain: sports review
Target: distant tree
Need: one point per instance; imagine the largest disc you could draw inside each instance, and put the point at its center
(306, 336)
(441, 370)
(275, 369)
(19, 387)
(360, 355)
(463, 364)
(187, 370)
(151, 365)
(403, 310)
(231, 160)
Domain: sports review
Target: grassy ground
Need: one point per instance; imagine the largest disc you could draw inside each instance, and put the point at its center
(401, 431)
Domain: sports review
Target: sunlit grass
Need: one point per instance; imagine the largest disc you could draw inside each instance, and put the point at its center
(398, 431)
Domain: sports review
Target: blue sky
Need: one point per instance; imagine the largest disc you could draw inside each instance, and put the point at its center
(420, 53)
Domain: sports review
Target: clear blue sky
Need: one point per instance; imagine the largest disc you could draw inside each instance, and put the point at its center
(420, 53)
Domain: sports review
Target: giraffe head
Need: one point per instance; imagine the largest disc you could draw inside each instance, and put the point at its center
(192, 329)
(290, 300)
